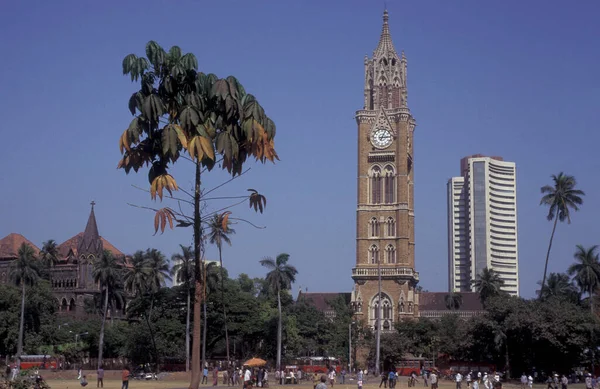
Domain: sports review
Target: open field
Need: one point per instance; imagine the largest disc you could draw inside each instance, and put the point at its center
(183, 384)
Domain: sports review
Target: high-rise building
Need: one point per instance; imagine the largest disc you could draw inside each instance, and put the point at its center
(385, 234)
(482, 223)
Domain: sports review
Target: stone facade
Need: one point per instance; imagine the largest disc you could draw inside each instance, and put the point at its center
(385, 236)
(71, 278)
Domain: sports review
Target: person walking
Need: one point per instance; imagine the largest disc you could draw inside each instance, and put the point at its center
(392, 379)
(384, 378)
(205, 375)
(458, 378)
(332, 377)
(322, 384)
(359, 379)
(100, 377)
(216, 376)
(247, 378)
(125, 378)
(433, 378)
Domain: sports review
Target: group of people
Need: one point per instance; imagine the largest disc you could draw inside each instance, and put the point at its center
(479, 380)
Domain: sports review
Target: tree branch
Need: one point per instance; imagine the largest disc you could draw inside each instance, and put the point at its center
(167, 196)
(228, 181)
(246, 221)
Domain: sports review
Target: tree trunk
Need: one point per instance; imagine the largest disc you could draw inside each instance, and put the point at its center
(506, 359)
(21, 326)
(196, 368)
(223, 302)
(548, 256)
(187, 330)
(279, 331)
(204, 332)
(101, 340)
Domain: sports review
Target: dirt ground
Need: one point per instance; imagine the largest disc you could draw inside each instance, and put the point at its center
(181, 381)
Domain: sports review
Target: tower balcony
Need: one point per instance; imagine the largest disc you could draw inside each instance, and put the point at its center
(387, 273)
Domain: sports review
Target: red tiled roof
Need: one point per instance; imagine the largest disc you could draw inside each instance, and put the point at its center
(9, 245)
(436, 301)
(72, 243)
(321, 300)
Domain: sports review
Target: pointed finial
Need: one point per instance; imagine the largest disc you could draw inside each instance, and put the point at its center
(385, 16)
(385, 48)
(92, 204)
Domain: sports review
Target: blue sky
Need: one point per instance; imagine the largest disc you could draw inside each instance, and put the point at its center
(510, 78)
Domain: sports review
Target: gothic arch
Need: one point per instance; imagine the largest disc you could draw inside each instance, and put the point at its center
(389, 184)
(72, 304)
(64, 306)
(373, 254)
(376, 184)
(373, 227)
(390, 224)
(386, 310)
(390, 254)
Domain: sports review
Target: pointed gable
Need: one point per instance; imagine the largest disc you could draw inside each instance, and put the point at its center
(9, 246)
(383, 121)
(90, 242)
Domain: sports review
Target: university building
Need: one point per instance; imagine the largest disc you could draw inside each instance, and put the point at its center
(71, 278)
(482, 223)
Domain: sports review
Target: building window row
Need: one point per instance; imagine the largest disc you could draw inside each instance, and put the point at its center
(390, 254)
(389, 225)
(383, 185)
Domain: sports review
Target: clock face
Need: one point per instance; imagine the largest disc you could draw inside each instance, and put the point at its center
(381, 138)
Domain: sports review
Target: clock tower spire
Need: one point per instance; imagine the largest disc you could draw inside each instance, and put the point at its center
(385, 74)
(385, 237)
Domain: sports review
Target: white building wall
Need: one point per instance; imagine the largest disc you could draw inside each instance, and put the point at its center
(489, 232)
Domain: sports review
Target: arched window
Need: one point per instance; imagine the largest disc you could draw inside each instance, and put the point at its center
(401, 305)
(374, 227)
(381, 310)
(376, 185)
(64, 306)
(72, 305)
(390, 254)
(373, 254)
(410, 307)
(389, 184)
(390, 226)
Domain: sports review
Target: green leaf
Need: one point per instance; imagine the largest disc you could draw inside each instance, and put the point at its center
(169, 141)
(153, 108)
(227, 145)
(270, 128)
(129, 65)
(189, 118)
(220, 89)
(189, 61)
(155, 54)
(239, 90)
(194, 100)
(252, 108)
(175, 53)
(210, 129)
(135, 101)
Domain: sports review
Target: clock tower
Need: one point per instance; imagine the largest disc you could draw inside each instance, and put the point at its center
(385, 233)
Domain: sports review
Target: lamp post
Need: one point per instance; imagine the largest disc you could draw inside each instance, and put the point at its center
(377, 317)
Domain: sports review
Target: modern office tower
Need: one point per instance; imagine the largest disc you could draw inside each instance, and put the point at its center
(482, 223)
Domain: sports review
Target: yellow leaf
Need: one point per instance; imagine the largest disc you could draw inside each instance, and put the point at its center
(207, 147)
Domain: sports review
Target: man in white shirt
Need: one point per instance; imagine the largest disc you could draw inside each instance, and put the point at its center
(530, 381)
(247, 376)
(433, 379)
(469, 380)
(458, 378)
(332, 377)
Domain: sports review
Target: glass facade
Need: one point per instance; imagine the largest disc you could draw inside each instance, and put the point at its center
(479, 217)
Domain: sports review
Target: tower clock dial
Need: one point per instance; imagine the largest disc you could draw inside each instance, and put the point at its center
(381, 138)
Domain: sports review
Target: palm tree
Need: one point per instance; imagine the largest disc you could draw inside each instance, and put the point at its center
(218, 234)
(157, 267)
(280, 277)
(453, 301)
(586, 271)
(135, 274)
(561, 199)
(184, 274)
(23, 271)
(107, 273)
(558, 285)
(487, 284)
(49, 253)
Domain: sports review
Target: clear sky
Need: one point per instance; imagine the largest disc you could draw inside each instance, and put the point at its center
(512, 78)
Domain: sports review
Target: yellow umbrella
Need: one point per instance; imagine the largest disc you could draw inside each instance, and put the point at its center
(255, 362)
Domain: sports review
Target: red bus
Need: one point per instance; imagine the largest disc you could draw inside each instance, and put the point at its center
(413, 364)
(39, 361)
(315, 364)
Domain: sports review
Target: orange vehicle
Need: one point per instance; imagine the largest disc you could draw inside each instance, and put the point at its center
(316, 364)
(40, 361)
